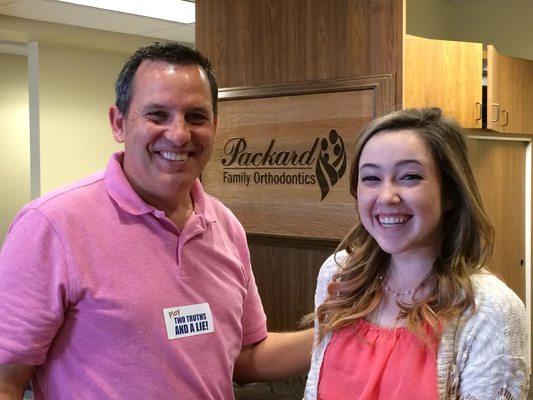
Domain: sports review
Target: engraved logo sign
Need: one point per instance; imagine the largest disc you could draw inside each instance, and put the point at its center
(331, 162)
(282, 153)
(322, 164)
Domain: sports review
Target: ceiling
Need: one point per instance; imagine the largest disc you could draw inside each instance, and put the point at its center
(95, 18)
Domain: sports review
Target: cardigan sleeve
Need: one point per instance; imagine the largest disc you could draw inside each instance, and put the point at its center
(492, 354)
(328, 269)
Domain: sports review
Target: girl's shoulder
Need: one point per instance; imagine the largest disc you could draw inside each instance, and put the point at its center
(329, 268)
(496, 305)
(492, 293)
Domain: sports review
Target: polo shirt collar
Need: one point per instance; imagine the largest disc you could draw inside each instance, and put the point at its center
(202, 206)
(121, 191)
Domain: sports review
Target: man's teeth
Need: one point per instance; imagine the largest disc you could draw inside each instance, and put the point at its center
(392, 220)
(171, 156)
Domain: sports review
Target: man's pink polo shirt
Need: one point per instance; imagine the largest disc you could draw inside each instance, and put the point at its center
(86, 274)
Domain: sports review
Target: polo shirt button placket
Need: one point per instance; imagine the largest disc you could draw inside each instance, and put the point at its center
(160, 215)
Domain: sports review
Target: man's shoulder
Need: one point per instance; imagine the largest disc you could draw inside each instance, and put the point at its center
(71, 196)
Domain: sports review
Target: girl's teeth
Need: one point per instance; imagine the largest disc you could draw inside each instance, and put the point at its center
(392, 220)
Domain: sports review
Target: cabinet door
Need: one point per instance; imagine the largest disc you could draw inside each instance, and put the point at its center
(499, 168)
(509, 93)
(445, 74)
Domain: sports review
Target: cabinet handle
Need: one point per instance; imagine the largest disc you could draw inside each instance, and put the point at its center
(479, 110)
(497, 112)
(506, 117)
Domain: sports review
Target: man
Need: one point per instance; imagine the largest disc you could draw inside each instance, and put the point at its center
(133, 283)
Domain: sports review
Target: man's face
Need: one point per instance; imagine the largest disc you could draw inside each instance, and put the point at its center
(168, 131)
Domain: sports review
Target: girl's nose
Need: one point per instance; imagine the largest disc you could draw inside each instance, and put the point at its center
(389, 194)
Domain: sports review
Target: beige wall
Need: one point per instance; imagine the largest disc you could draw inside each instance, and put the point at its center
(14, 138)
(76, 90)
(77, 68)
(506, 24)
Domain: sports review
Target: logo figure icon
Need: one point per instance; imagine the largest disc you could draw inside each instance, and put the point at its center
(331, 162)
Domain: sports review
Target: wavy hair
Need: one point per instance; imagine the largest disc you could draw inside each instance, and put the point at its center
(466, 243)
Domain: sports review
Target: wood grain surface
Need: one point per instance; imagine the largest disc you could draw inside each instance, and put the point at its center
(257, 42)
(286, 272)
(446, 74)
(292, 120)
(509, 88)
(253, 43)
(499, 168)
(258, 47)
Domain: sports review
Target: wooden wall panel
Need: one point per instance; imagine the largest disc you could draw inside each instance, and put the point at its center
(285, 271)
(253, 43)
(300, 119)
(257, 42)
(499, 167)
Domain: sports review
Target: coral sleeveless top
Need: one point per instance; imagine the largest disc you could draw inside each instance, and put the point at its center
(367, 362)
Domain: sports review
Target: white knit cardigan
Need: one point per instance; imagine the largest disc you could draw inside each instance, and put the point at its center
(482, 356)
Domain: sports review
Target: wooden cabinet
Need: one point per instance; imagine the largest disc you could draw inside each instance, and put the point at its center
(448, 74)
(445, 74)
(509, 93)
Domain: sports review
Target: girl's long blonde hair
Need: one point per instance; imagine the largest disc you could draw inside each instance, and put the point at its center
(466, 243)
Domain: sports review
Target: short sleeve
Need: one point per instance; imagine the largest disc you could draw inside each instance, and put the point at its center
(253, 319)
(33, 289)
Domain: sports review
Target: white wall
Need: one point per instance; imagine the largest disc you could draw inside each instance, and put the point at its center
(506, 24)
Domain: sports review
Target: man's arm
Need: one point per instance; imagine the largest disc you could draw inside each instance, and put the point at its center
(278, 356)
(14, 379)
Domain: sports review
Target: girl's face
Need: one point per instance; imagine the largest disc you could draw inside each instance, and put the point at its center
(399, 194)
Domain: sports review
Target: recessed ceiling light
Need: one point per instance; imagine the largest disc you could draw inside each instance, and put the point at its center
(169, 10)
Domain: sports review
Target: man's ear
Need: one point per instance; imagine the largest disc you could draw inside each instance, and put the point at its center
(116, 119)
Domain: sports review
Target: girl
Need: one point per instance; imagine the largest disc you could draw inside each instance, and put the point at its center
(405, 308)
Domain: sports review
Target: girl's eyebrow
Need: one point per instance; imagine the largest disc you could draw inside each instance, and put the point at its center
(410, 161)
(368, 165)
(398, 164)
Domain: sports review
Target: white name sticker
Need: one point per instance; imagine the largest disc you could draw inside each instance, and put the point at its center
(192, 320)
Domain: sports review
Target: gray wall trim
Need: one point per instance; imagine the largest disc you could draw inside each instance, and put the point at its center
(35, 147)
